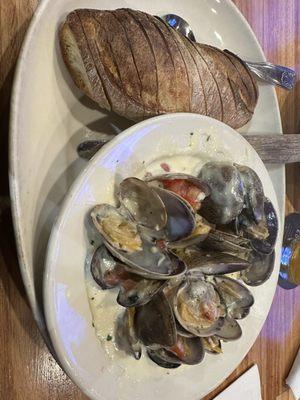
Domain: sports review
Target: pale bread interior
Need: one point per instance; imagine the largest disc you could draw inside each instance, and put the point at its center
(74, 60)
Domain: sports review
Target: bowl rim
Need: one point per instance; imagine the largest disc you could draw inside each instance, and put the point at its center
(48, 282)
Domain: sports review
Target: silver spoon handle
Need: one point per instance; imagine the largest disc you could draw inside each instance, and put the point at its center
(276, 149)
(272, 149)
(275, 74)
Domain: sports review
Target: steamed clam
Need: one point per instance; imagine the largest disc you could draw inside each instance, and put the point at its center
(199, 308)
(117, 229)
(182, 251)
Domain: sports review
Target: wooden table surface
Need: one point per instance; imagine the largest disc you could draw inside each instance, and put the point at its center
(27, 370)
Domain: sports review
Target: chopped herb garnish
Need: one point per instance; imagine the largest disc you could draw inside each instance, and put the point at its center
(92, 298)
(208, 138)
(108, 338)
(144, 162)
(93, 325)
(191, 133)
(92, 242)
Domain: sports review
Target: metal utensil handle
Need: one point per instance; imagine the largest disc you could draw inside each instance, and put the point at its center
(275, 74)
(276, 149)
(272, 149)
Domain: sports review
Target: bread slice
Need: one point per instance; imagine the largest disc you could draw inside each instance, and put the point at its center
(136, 65)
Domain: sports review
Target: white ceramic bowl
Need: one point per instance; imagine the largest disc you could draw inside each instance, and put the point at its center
(139, 149)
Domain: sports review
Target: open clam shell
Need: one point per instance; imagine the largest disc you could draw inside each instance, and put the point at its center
(199, 234)
(143, 203)
(151, 262)
(237, 297)
(181, 220)
(106, 270)
(116, 229)
(123, 240)
(136, 291)
(188, 350)
(230, 330)
(260, 269)
(198, 307)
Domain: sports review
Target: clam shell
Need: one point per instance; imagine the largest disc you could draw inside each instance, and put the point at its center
(126, 338)
(143, 203)
(266, 246)
(226, 200)
(163, 358)
(106, 271)
(155, 322)
(230, 330)
(198, 308)
(236, 296)
(151, 262)
(137, 291)
(211, 263)
(189, 351)
(115, 228)
(181, 220)
(260, 269)
(253, 192)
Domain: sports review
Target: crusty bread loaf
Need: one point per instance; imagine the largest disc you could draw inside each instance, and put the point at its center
(136, 65)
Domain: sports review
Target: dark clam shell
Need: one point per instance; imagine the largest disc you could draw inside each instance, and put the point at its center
(211, 263)
(180, 217)
(163, 358)
(260, 270)
(155, 322)
(230, 330)
(143, 203)
(226, 200)
(237, 297)
(199, 234)
(228, 243)
(125, 333)
(106, 270)
(136, 291)
(188, 350)
(198, 307)
(266, 246)
(253, 192)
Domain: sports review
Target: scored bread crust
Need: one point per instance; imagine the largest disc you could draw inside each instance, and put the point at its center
(136, 65)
